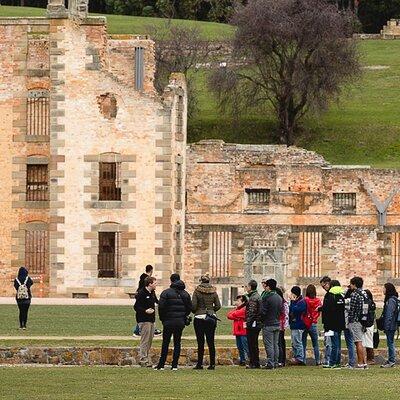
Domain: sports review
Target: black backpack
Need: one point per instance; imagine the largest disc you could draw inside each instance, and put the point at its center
(368, 311)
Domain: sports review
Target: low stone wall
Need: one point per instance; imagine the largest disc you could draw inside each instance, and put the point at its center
(120, 355)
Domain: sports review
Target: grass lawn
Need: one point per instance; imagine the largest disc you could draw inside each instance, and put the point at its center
(125, 24)
(225, 382)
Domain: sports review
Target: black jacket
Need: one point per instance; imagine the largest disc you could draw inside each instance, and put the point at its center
(174, 305)
(253, 310)
(141, 281)
(145, 300)
(271, 307)
(333, 312)
(22, 275)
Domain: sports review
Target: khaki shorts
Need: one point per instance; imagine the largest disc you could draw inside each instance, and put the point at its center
(356, 330)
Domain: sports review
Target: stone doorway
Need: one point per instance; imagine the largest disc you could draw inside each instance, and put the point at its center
(265, 259)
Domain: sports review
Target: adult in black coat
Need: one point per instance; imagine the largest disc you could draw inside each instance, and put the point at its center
(174, 307)
(23, 296)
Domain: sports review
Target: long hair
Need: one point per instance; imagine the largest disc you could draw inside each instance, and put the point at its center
(311, 291)
(390, 291)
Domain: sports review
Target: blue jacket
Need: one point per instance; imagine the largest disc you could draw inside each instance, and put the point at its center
(296, 310)
(390, 314)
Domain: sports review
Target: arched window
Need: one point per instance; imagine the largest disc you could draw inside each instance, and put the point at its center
(38, 113)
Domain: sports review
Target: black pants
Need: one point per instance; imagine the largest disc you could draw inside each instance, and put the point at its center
(23, 313)
(176, 332)
(205, 328)
(254, 351)
(282, 348)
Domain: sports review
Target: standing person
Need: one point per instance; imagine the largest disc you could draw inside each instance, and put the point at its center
(348, 337)
(174, 308)
(333, 320)
(355, 316)
(271, 307)
(145, 316)
(326, 285)
(149, 272)
(311, 320)
(206, 303)
(283, 324)
(23, 284)
(238, 316)
(368, 337)
(389, 317)
(253, 323)
(297, 308)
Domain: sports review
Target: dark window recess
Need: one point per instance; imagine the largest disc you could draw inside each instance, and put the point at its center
(109, 257)
(37, 182)
(179, 115)
(139, 68)
(258, 197)
(344, 203)
(38, 113)
(110, 182)
(36, 252)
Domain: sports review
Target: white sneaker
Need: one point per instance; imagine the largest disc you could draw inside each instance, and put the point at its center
(388, 365)
(174, 369)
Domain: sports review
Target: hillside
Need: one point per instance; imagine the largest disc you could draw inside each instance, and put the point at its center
(362, 128)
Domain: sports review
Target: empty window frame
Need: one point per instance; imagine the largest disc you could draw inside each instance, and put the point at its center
(344, 203)
(258, 197)
(179, 115)
(37, 182)
(139, 68)
(36, 251)
(109, 181)
(109, 257)
(38, 113)
(396, 254)
(310, 254)
(179, 182)
(220, 253)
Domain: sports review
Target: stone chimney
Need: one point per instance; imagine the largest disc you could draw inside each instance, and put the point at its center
(56, 9)
(76, 9)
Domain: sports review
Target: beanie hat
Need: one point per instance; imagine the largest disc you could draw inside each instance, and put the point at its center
(296, 291)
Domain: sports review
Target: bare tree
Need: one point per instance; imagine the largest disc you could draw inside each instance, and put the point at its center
(291, 55)
(179, 49)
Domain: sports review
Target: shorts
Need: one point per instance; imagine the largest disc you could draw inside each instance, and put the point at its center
(356, 330)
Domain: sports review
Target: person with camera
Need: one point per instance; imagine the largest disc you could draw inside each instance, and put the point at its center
(174, 307)
(205, 304)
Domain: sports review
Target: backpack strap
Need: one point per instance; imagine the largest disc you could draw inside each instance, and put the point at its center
(19, 283)
(26, 279)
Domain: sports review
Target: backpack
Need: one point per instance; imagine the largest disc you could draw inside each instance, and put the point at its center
(22, 291)
(368, 311)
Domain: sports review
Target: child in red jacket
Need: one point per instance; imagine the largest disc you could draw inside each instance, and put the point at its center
(238, 316)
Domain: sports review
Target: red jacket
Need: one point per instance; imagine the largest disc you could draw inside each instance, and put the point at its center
(312, 314)
(239, 317)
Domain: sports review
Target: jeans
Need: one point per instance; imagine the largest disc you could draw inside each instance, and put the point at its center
(390, 345)
(271, 343)
(328, 349)
(254, 351)
(297, 344)
(282, 348)
(168, 332)
(336, 348)
(243, 347)
(23, 313)
(348, 337)
(313, 332)
(205, 328)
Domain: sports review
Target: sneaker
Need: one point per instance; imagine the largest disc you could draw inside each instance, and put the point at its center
(211, 367)
(337, 366)
(24, 328)
(361, 366)
(253, 367)
(269, 367)
(326, 366)
(135, 335)
(198, 367)
(157, 332)
(174, 369)
(388, 365)
(348, 366)
(158, 368)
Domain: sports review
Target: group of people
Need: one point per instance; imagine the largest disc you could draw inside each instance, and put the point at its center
(351, 312)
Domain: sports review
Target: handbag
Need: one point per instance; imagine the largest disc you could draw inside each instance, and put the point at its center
(376, 339)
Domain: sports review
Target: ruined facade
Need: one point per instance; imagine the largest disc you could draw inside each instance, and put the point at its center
(391, 30)
(257, 211)
(93, 159)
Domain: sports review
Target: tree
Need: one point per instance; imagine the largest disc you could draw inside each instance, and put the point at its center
(290, 55)
(179, 49)
(373, 14)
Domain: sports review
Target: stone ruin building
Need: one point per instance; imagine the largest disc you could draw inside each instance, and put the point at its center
(92, 161)
(97, 179)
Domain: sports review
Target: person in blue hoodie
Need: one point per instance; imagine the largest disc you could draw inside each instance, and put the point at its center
(297, 308)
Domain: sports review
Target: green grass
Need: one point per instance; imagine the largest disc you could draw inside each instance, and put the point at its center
(225, 382)
(125, 24)
(362, 128)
